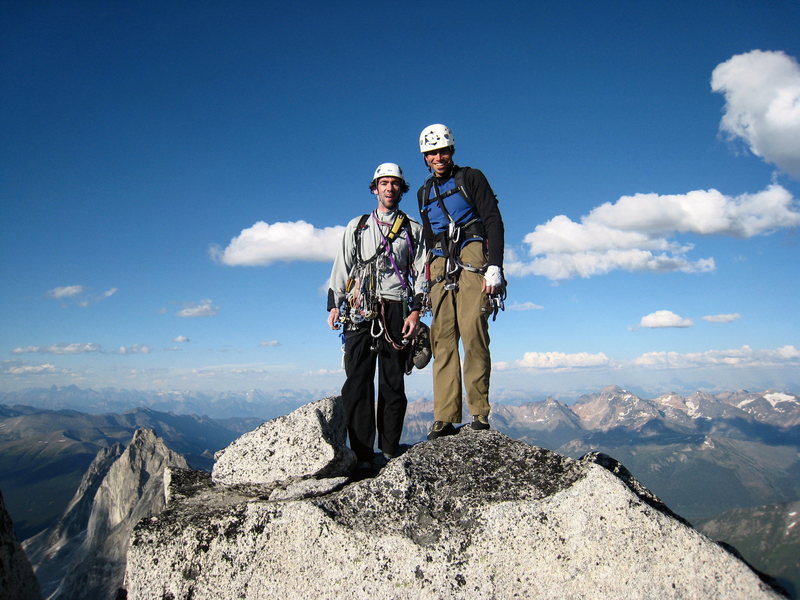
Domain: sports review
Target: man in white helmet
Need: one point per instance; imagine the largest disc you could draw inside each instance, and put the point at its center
(375, 291)
(463, 230)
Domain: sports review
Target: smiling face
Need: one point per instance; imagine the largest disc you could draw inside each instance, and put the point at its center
(440, 160)
(389, 192)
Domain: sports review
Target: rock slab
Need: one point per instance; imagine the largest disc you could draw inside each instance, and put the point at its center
(309, 442)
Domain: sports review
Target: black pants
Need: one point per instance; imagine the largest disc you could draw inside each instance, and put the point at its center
(358, 392)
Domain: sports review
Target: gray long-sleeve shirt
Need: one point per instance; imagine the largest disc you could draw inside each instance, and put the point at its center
(389, 286)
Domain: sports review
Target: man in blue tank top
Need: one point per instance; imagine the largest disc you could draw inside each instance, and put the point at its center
(463, 230)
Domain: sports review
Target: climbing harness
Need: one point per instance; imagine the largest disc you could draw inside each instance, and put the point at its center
(362, 304)
(455, 224)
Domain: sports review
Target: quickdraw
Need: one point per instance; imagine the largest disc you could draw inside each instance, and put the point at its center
(496, 302)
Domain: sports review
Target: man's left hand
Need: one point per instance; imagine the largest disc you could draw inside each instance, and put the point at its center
(411, 325)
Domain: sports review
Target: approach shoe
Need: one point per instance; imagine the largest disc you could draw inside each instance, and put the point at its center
(480, 422)
(364, 469)
(382, 459)
(441, 429)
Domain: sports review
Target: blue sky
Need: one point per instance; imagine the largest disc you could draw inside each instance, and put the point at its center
(174, 179)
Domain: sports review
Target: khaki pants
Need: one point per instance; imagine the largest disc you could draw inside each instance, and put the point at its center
(458, 314)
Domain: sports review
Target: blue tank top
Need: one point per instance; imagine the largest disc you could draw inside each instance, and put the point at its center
(456, 204)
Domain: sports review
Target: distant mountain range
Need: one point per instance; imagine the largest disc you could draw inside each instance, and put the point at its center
(702, 454)
(222, 405)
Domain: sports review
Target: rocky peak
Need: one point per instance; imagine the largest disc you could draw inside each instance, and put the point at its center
(133, 486)
(83, 556)
(546, 415)
(476, 515)
(53, 550)
(614, 407)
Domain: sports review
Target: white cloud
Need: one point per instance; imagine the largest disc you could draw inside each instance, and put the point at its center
(79, 349)
(58, 349)
(67, 291)
(181, 339)
(633, 234)
(557, 361)
(326, 372)
(264, 243)
(739, 357)
(561, 234)
(762, 105)
(32, 369)
(79, 294)
(204, 308)
(133, 349)
(725, 318)
(702, 212)
(235, 371)
(586, 264)
(664, 318)
(270, 344)
(525, 306)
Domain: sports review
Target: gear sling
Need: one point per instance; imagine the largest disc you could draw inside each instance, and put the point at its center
(361, 301)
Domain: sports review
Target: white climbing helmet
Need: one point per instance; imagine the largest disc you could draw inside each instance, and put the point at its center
(388, 170)
(436, 136)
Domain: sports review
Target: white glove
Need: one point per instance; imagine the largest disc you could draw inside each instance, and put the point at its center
(492, 277)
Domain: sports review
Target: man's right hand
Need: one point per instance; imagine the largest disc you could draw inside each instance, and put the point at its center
(333, 319)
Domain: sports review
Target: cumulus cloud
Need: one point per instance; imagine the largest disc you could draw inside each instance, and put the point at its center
(557, 361)
(738, 357)
(664, 318)
(762, 105)
(525, 306)
(265, 243)
(635, 233)
(58, 349)
(270, 344)
(204, 308)
(702, 212)
(67, 291)
(725, 318)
